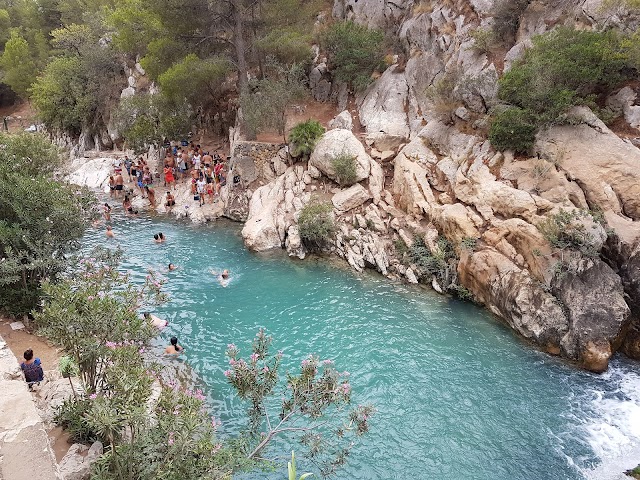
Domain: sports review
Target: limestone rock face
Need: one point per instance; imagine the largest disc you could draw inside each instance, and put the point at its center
(350, 198)
(597, 313)
(372, 13)
(382, 111)
(340, 142)
(92, 173)
(260, 231)
(509, 292)
(605, 166)
(342, 120)
(76, 464)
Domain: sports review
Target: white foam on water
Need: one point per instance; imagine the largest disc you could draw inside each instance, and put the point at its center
(613, 428)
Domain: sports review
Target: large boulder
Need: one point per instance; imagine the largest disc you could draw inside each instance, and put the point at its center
(512, 294)
(76, 464)
(383, 111)
(593, 297)
(343, 120)
(340, 142)
(260, 231)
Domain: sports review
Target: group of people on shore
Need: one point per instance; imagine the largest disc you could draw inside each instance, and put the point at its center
(187, 162)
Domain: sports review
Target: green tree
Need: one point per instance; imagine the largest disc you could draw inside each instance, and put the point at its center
(354, 52)
(41, 220)
(19, 68)
(344, 166)
(200, 82)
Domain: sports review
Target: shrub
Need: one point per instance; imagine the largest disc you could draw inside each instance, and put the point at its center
(72, 416)
(354, 52)
(565, 67)
(565, 230)
(484, 39)
(316, 223)
(344, 166)
(438, 263)
(513, 129)
(304, 136)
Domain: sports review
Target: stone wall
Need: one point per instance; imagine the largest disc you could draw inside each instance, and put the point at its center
(25, 452)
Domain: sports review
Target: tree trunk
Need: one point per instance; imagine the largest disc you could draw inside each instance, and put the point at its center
(238, 41)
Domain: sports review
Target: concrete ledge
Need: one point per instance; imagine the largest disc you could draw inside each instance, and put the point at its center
(25, 452)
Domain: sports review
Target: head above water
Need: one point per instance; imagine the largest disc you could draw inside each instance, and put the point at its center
(108, 228)
(172, 266)
(174, 341)
(28, 354)
(225, 273)
(146, 315)
(155, 236)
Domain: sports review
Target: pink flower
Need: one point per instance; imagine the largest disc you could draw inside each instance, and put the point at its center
(90, 297)
(93, 396)
(231, 346)
(227, 373)
(346, 388)
(327, 362)
(254, 357)
(265, 369)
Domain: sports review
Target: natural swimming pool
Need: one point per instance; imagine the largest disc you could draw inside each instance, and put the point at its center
(457, 394)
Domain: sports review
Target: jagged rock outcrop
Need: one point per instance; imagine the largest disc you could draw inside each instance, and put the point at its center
(76, 464)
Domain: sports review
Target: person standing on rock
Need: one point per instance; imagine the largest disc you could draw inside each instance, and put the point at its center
(127, 165)
(168, 177)
(170, 202)
(201, 186)
(151, 195)
(119, 183)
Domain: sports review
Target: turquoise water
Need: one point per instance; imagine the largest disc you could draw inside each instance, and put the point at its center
(457, 394)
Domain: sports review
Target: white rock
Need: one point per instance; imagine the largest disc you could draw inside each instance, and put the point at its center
(335, 143)
(350, 198)
(128, 92)
(342, 120)
(411, 277)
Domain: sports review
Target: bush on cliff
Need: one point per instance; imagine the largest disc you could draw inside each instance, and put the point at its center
(354, 52)
(344, 165)
(565, 67)
(315, 224)
(304, 136)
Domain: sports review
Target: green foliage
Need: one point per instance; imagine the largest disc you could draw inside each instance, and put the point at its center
(287, 45)
(291, 467)
(91, 313)
(439, 263)
(67, 367)
(145, 120)
(354, 52)
(468, 243)
(319, 391)
(76, 89)
(19, 68)
(304, 136)
(265, 104)
(565, 67)
(484, 39)
(316, 223)
(198, 81)
(41, 220)
(72, 415)
(567, 230)
(513, 128)
(5, 25)
(344, 166)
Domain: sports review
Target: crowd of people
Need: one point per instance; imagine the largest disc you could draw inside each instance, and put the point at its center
(185, 163)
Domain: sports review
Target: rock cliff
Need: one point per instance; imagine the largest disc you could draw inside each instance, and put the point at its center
(426, 173)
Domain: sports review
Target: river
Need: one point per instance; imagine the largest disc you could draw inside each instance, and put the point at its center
(457, 394)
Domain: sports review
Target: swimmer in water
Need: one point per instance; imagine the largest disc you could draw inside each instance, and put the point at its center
(172, 267)
(174, 348)
(109, 232)
(156, 238)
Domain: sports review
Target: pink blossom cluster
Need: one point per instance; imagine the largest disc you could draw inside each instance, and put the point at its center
(171, 438)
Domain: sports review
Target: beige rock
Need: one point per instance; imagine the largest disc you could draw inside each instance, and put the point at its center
(456, 222)
(376, 181)
(260, 232)
(350, 198)
(340, 142)
(605, 166)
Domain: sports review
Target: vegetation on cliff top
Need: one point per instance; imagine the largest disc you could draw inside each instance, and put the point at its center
(564, 68)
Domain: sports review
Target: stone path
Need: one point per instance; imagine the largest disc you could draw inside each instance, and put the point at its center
(25, 452)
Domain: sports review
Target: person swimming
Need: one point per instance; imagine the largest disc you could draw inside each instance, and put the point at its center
(172, 267)
(157, 322)
(156, 238)
(109, 232)
(174, 348)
